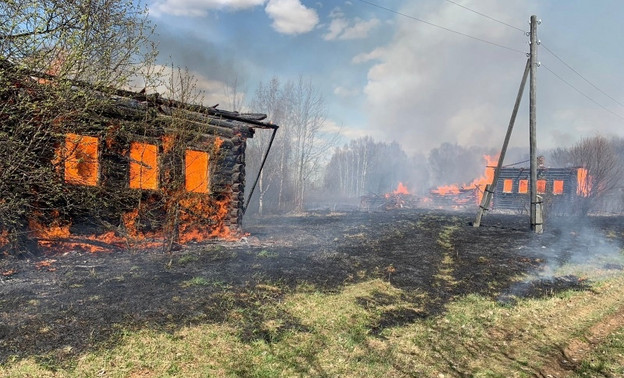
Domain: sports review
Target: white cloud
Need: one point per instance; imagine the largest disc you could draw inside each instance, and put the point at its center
(367, 57)
(336, 27)
(342, 29)
(199, 8)
(291, 17)
(359, 29)
(346, 92)
(288, 16)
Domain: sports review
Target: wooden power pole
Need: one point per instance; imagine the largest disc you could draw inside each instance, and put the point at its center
(490, 188)
(536, 203)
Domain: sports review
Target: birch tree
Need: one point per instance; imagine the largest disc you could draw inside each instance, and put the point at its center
(305, 122)
(270, 100)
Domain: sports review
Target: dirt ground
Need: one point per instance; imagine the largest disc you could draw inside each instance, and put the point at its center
(70, 303)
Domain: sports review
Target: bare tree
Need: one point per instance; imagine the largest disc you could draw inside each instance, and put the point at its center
(100, 41)
(270, 99)
(234, 91)
(305, 122)
(604, 169)
(300, 147)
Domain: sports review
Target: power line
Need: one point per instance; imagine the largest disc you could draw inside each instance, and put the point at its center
(442, 27)
(582, 93)
(581, 76)
(486, 16)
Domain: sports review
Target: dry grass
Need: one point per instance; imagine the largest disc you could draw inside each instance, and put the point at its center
(366, 329)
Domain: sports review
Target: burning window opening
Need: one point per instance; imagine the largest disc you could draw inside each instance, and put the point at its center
(541, 186)
(523, 186)
(508, 186)
(196, 168)
(557, 187)
(81, 156)
(143, 166)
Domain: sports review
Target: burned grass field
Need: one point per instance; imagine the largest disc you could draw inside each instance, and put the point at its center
(399, 292)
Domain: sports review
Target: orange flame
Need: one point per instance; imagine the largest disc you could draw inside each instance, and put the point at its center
(446, 190)
(54, 230)
(194, 229)
(477, 184)
(4, 238)
(168, 142)
(143, 166)
(401, 189)
(81, 160)
(196, 172)
(583, 182)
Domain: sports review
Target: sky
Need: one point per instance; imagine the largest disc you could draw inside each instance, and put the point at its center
(384, 71)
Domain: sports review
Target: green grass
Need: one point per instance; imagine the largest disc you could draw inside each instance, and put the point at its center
(606, 360)
(358, 331)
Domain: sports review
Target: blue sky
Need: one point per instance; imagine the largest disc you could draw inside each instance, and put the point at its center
(397, 79)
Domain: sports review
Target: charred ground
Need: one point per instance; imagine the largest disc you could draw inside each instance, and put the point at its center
(62, 305)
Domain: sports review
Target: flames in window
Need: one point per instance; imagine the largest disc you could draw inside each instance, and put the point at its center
(196, 171)
(541, 186)
(523, 186)
(143, 166)
(82, 166)
(558, 187)
(507, 186)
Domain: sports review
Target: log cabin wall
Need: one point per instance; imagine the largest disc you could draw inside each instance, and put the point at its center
(148, 168)
(192, 164)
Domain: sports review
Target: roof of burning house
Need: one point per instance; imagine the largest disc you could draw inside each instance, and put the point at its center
(507, 172)
(136, 105)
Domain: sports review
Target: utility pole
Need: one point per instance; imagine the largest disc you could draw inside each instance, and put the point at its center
(535, 200)
(490, 188)
(536, 204)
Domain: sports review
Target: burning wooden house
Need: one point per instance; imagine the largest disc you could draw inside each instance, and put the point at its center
(559, 188)
(134, 167)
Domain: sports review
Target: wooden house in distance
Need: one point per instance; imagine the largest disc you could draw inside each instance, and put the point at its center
(559, 188)
(136, 166)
